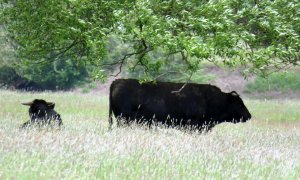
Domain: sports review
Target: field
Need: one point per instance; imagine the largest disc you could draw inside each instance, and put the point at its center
(267, 147)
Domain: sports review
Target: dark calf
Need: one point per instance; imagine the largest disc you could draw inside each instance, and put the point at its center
(42, 113)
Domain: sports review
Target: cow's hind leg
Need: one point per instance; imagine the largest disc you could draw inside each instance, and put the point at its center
(206, 128)
(121, 121)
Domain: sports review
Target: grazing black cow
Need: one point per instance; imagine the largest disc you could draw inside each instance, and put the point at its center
(42, 113)
(199, 106)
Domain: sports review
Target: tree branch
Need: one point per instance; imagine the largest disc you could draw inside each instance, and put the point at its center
(122, 61)
(183, 86)
(66, 49)
(55, 56)
(163, 74)
(142, 53)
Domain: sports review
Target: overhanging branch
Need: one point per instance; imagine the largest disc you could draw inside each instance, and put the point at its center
(121, 62)
(183, 86)
(62, 51)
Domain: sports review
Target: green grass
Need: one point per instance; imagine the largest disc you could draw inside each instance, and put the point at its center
(275, 110)
(267, 147)
(283, 81)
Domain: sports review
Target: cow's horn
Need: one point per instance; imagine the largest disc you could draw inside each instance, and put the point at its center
(234, 93)
(27, 104)
(50, 103)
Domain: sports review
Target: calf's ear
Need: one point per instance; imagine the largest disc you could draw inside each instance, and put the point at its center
(27, 103)
(51, 105)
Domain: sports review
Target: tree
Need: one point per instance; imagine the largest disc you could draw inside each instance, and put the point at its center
(257, 34)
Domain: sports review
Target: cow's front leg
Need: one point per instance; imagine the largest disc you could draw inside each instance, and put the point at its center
(26, 124)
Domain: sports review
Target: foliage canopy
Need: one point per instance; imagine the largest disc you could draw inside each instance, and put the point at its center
(255, 34)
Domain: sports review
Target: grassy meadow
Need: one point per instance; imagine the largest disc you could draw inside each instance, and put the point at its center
(267, 147)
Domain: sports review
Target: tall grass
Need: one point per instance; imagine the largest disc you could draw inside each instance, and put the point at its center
(85, 148)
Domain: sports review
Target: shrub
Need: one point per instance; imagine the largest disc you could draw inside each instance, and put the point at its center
(283, 81)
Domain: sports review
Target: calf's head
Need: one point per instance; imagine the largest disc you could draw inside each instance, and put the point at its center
(39, 108)
(236, 111)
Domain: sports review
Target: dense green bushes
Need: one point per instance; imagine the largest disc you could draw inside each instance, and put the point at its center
(283, 81)
(63, 76)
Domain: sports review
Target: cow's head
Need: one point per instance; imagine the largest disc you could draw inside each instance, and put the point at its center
(39, 107)
(236, 109)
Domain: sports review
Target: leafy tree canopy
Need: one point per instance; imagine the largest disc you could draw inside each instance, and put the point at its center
(256, 34)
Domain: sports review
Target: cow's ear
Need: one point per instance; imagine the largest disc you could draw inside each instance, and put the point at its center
(234, 93)
(51, 105)
(27, 103)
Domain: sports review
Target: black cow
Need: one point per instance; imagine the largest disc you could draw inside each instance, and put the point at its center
(42, 113)
(199, 106)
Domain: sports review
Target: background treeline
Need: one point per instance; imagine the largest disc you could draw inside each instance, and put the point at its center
(64, 73)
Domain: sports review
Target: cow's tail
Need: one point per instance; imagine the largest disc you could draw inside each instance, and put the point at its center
(110, 119)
